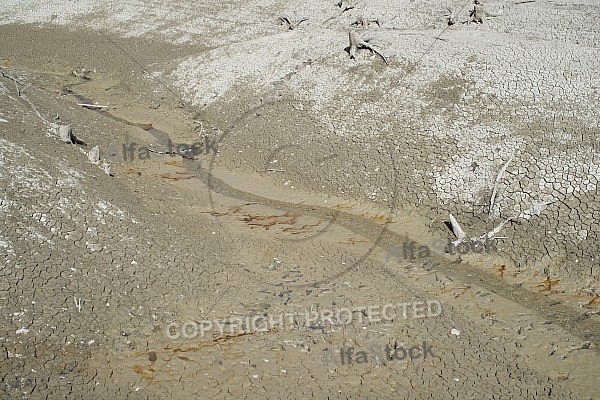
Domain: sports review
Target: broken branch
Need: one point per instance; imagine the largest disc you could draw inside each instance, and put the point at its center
(497, 182)
(357, 42)
(91, 105)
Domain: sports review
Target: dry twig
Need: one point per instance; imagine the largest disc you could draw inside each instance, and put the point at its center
(478, 14)
(344, 6)
(91, 105)
(357, 42)
(497, 182)
(291, 25)
(364, 22)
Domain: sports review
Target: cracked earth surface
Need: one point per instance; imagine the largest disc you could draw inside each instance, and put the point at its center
(323, 163)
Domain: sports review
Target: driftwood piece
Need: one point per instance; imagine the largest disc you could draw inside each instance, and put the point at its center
(456, 229)
(491, 234)
(357, 42)
(106, 166)
(291, 25)
(92, 106)
(451, 16)
(479, 14)
(67, 136)
(344, 6)
(497, 182)
(66, 132)
(19, 91)
(364, 22)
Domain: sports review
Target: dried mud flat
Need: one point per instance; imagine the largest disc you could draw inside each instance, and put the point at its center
(327, 168)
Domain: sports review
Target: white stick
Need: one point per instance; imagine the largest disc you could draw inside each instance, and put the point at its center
(492, 234)
(497, 182)
(92, 105)
(456, 229)
(78, 303)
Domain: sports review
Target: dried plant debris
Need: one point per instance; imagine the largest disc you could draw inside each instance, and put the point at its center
(497, 183)
(456, 229)
(479, 14)
(357, 42)
(291, 25)
(67, 136)
(364, 22)
(451, 15)
(106, 166)
(344, 6)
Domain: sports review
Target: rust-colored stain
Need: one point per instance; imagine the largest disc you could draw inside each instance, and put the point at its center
(593, 301)
(487, 312)
(501, 270)
(377, 217)
(464, 290)
(174, 163)
(175, 177)
(265, 221)
(548, 284)
(147, 375)
(131, 171)
(342, 206)
(268, 221)
(215, 213)
(225, 338)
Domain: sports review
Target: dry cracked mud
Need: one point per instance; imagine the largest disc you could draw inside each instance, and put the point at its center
(226, 274)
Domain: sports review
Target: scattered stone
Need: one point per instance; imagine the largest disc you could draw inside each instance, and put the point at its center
(354, 381)
(106, 167)
(94, 155)
(152, 356)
